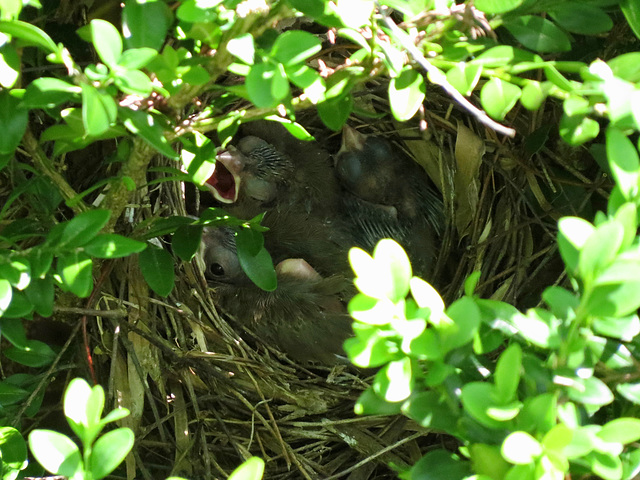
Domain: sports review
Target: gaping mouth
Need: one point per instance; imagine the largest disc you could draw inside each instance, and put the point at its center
(224, 182)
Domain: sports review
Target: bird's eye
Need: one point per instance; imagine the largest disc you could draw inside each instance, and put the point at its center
(216, 269)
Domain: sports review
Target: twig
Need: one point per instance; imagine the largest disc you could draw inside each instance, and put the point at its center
(439, 79)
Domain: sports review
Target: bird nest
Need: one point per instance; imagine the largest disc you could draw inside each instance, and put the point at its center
(206, 394)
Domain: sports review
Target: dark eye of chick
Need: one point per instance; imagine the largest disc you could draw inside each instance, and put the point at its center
(216, 269)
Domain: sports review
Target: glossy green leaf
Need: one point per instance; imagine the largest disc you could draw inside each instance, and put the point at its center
(631, 10)
(147, 127)
(589, 391)
(5, 295)
(157, 269)
(406, 94)
(137, 57)
(615, 299)
(47, 92)
(14, 451)
(111, 245)
(623, 161)
(17, 271)
(578, 130)
(533, 94)
(255, 260)
(186, 241)
(621, 430)
(581, 18)
(504, 55)
(521, 448)
(82, 228)
(55, 452)
(369, 348)
(605, 465)
(9, 66)
(28, 33)
(11, 394)
(600, 249)
(497, 6)
(440, 464)
(13, 123)
(109, 451)
(539, 327)
(334, 112)
(35, 354)
(573, 233)
(251, 469)
(369, 403)
(464, 77)
(499, 97)
(295, 46)
(107, 41)
(134, 82)
(266, 85)
(466, 317)
(99, 110)
(477, 399)
(630, 391)
(145, 23)
(538, 34)
(626, 66)
(625, 328)
(41, 294)
(507, 374)
(242, 48)
(75, 270)
(394, 382)
(355, 13)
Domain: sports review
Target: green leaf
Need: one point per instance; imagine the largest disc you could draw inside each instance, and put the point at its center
(406, 94)
(605, 465)
(581, 18)
(538, 34)
(440, 465)
(430, 410)
(395, 381)
(99, 110)
(539, 327)
(615, 299)
(334, 112)
(255, 260)
(466, 317)
(111, 245)
(145, 124)
(55, 452)
(135, 58)
(14, 450)
(623, 161)
(630, 391)
(251, 469)
(295, 46)
(589, 391)
(186, 241)
(82, 228)
(504, 55)
(109, 451)
(626, 66)
(75, 270)
(41, 294)
(13, 330)
(354, 13)
(11, 394)
(464, 77)
(521, 448)
(145, 23)
(243, 48)
(621, 430)
(157, 269)
(266, 85)
(578, 129)
(497, 6)
(507, 374)
(533, 94)
(134, 82)
(499, 97)
(107, 41)
(28, 33)
(600, 249)
(369, 348)
(48, 92)
(9, 66)
(35, 354)
(477, 399)
(13, 123)
(625, 328)
(573, 233)
(631, 10)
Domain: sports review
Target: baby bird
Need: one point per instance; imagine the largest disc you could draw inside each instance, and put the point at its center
(368, 167)
(304, 317)
(269, 168)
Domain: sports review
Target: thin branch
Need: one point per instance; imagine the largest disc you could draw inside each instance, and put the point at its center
(439, 79)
